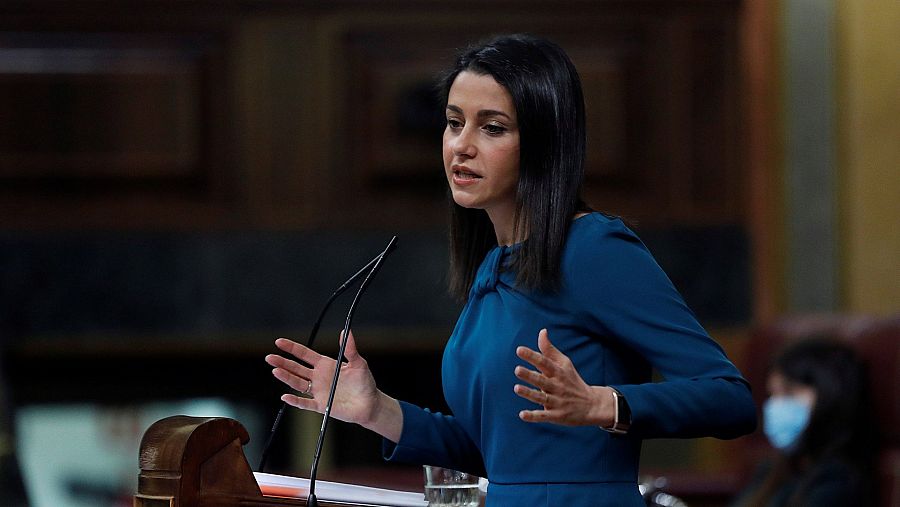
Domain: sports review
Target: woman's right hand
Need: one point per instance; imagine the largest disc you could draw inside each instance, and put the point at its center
(357, 398)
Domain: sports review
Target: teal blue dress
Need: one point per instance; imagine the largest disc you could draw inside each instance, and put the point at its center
(617, 316)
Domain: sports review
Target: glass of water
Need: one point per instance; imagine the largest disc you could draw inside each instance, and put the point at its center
(450, 488)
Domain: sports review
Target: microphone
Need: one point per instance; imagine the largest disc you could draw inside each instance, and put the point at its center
(311, 500)
(312, 337)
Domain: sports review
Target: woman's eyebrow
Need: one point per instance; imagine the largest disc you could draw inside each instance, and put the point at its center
(491, 112)
(481, 114)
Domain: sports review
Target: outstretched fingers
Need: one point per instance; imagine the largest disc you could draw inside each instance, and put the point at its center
(301, 402)
(297, 374)
(537, 396)
(532, 377)
(536, 416)
(291, 367)
(301, 352)
(542, 379)
(299, 383)
(550, 351)
(545, 363)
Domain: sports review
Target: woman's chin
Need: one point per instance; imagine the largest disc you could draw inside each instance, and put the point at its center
(465, 200)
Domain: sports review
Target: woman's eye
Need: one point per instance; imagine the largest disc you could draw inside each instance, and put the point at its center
(494, 129)
(454, 123)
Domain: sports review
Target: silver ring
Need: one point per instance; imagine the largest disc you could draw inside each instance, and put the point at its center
(308, 389)
(546, 398)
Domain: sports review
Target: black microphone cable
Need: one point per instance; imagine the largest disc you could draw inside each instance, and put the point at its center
(312, 338)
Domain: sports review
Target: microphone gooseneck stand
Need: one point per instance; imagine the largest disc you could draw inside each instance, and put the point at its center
(372, 267)
(309, 343)
(311, 500)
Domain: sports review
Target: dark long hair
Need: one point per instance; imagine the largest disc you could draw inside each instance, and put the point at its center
(839, 427)
(546, 91)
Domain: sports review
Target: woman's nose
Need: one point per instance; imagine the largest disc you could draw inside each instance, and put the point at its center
(462, 144)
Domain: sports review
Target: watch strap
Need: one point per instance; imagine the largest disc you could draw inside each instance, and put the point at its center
(622, 420)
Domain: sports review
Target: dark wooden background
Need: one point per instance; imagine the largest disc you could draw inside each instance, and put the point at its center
(182, 181)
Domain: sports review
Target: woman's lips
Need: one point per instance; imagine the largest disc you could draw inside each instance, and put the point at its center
(462, 176)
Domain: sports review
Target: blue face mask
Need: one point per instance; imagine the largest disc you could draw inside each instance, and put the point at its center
(784, 419)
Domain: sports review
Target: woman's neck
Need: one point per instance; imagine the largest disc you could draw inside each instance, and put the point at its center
(504, 225)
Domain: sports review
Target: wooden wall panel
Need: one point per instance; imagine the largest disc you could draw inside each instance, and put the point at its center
(82, 106)
(394, 124)
(320, 115)
(113, 126)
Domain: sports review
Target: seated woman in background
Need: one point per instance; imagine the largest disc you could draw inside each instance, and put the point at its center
(819, 418)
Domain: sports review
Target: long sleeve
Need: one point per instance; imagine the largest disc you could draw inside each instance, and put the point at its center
(630, 300)
(435, 439)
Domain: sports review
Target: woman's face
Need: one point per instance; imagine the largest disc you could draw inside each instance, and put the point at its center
(779, 386)
(787, 412)
(481, 145)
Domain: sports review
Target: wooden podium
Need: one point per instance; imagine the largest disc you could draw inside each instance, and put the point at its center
(199, 462)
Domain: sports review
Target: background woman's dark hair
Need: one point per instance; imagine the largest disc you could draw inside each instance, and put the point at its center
(546, 91)
(840, 427)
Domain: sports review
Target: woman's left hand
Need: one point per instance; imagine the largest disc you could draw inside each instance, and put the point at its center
(565, 397)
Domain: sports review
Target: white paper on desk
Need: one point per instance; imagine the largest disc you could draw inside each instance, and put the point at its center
(298, 487)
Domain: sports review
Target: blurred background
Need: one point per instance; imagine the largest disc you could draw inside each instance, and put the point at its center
(181, 182)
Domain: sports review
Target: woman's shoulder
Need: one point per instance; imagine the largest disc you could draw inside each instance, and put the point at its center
(601, 247)
(598, 219)
(597, 232)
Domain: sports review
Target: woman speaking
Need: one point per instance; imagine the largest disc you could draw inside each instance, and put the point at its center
(548, 370)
